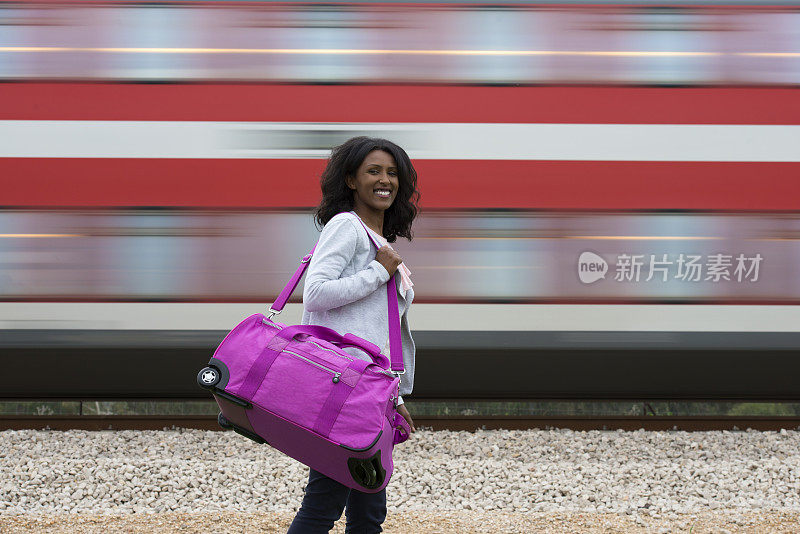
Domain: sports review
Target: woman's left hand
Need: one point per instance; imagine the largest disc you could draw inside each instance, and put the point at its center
(407, 416)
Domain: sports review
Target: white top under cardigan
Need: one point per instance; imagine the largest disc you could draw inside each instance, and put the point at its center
(341, 291)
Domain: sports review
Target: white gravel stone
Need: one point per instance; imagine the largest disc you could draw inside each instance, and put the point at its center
(641, 474)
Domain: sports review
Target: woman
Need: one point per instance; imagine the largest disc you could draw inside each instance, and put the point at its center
(371, 181)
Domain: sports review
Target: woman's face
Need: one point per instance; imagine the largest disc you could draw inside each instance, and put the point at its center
(375, 183)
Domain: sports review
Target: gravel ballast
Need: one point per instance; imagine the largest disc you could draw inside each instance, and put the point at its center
(486, 481)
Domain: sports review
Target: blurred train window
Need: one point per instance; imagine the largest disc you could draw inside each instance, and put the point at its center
(457, 256)
(460, 43)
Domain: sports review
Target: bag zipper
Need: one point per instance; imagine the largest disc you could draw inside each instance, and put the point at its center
(348, 357)
(336, 374)
(384, 372)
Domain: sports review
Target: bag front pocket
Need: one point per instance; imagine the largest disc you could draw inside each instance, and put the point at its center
(296, 387)
(335, 375)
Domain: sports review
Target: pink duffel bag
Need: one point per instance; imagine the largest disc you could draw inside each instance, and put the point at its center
(294, 388)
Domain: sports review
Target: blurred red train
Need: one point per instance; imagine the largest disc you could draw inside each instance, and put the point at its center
(153, 153)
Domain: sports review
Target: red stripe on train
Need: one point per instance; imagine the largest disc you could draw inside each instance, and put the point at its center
(265, 183)
(399, 103)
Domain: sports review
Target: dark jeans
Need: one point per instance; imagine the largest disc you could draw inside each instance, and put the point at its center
(323, 504)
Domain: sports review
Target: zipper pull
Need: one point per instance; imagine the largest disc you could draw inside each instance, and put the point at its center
(336, 377)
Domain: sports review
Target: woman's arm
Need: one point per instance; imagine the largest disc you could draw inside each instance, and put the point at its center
(324, 289)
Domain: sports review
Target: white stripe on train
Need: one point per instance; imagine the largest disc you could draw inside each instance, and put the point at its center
(435, 317)
(446, 141)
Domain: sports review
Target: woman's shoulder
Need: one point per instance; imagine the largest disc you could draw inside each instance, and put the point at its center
(340, 218)
(342, 227)
(344, 220)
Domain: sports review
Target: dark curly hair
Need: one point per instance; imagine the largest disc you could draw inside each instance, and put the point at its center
(337, 197)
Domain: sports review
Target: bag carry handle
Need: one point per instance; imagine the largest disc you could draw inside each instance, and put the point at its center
(402, 430)
(352, 340)
(395, 336)
(334, 337)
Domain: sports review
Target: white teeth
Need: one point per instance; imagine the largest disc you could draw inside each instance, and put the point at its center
(383, 192)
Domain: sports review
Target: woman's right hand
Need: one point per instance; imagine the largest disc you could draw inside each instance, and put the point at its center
(389, 258)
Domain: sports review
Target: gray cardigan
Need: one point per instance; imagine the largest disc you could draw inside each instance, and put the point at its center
(342, 286)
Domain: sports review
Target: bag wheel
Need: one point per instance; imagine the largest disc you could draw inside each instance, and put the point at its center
(367, 472)
(208, 377)
(223, 422)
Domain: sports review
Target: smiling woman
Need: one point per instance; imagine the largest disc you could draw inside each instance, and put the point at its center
(368, 199)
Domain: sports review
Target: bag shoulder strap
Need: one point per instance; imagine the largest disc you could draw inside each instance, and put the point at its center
(395, 336)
